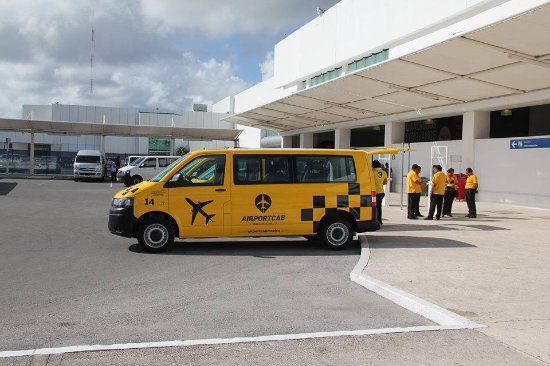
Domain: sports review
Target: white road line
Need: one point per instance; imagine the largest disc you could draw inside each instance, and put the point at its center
(445, 319)
(217, 341)
(404, 299)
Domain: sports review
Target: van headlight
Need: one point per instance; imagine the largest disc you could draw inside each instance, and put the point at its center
(122, 202)
(97, 168)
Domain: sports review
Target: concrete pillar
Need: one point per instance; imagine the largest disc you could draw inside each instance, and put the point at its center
(306, 140)
(287, 142)
(475, 125)
(394, 133)
(31, 154)
(342, 138)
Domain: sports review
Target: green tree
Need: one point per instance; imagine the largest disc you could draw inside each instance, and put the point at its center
(182, 150)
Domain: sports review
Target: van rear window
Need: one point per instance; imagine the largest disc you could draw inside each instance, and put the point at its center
(320, 169)
(262, 169)
(87, 159)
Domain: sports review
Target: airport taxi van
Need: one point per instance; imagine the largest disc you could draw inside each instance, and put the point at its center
(326, 195)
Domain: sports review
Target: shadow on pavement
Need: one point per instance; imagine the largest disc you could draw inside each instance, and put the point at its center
(6, 188)
(447, 226)
(402, 242)
(261, 248)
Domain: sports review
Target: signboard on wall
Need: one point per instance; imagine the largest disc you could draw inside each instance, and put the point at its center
(538, 143)
(159, 144)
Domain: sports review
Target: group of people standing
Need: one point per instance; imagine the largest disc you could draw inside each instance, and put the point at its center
(444, 190)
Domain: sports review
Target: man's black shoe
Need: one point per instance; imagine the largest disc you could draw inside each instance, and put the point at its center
(429, 218)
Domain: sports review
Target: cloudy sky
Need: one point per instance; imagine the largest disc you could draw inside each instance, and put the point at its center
(163, 54)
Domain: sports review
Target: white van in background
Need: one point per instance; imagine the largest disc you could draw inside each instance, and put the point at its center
(143, 168)
(133, 158)
(89, 164)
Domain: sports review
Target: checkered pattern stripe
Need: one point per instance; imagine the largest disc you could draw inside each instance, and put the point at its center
(359, 205)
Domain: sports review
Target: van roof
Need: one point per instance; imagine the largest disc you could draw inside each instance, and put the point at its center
(88, 152)
(376, 150)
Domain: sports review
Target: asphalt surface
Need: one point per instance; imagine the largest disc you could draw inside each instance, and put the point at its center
(465, 347)
(65, 280)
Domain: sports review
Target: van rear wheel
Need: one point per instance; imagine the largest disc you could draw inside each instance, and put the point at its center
(136, 179)
(155, 235)
(336, 233)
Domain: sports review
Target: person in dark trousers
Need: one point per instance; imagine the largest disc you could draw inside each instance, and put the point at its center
(414, 189)
(380, 178)
(438, 191)
(111, 165)
(471, 190)
(450, 192)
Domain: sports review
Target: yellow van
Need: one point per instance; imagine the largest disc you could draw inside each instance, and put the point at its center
(327, 195)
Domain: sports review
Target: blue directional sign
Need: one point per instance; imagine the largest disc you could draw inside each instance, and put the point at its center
(538, 143)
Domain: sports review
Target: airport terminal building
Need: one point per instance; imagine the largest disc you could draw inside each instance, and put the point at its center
(55, 149)
(463, 83)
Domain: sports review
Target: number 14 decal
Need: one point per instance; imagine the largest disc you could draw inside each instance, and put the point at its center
(149, 201)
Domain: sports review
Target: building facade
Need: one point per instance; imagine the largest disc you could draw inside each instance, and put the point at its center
(462, 83)
(55, 153)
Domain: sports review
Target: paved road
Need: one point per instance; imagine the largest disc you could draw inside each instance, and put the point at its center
(465, 347)
(67, 281)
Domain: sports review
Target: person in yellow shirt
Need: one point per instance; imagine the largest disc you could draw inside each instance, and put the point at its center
(414, 189)
(450, 192)
(471, 190)
(380, 178)
(439, 180)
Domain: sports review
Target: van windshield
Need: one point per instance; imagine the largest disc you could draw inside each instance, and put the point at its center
(87, 159)
(136, 161)
(161, 175)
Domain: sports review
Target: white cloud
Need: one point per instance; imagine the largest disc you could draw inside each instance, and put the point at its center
(149, 53)
(216, 18)
(266, 67)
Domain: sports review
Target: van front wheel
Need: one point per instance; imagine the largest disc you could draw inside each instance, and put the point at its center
(336, 233)
(155, 235)
(136, 179)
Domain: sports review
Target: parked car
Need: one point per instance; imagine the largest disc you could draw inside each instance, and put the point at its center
(89, 164)
(143, 168)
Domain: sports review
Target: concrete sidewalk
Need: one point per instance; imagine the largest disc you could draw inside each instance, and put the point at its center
(493, 269)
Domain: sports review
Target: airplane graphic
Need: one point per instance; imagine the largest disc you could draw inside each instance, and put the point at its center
(263, 202)
(197, 208)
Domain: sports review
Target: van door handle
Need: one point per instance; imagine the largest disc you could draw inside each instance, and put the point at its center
(220, 189)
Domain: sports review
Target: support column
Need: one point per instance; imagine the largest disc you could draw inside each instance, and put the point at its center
(306, 140)
(394, 133)
(31, 155)
(287, 142)
(342, 138)
(475, 125)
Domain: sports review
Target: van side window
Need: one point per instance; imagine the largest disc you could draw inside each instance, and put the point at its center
(320, 169)
(261, 169)
(164, 162)
(149, 163)
(201, 171)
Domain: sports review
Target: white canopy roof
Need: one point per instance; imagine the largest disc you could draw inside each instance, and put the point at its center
(511, 57)
(84, 128)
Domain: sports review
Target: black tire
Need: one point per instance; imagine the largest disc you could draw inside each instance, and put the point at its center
(127, 184)
(336, 233)
(76, 179)
(312, 237)
(136, 179)
(155, 235)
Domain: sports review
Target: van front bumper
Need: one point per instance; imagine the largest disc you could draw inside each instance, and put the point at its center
(122, 221)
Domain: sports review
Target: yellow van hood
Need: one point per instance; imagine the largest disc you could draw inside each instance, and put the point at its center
(133, 190)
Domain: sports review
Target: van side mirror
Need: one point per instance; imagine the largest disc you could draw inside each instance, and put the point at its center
(177, 180)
